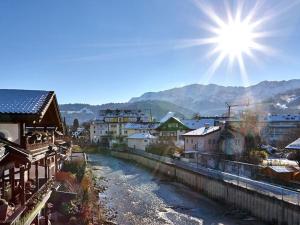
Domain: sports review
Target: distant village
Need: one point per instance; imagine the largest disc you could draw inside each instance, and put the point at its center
(201, 134)
(271, 140)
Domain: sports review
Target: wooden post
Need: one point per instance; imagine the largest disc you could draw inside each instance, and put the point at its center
(55, 159)
(12, 180)
(46, 213)
(28, 171)
(37, 185)
(36, 220)
(22, 185)
(22, 134)
(3, 185)
(46, 169)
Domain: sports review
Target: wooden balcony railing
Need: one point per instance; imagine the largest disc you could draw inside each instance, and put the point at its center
(35, 142)
(26, 214)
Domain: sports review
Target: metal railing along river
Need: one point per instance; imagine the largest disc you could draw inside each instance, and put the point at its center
(268, 189)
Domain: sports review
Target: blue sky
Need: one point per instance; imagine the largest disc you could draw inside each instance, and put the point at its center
(98, 51)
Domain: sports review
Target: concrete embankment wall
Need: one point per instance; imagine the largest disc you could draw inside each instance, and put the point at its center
(263, 207)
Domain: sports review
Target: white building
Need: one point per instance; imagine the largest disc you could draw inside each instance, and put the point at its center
(295, 145)
(275, 127)
(141, 140)
(78, 132)
(134, 128)
(111, 124)
(204, 139)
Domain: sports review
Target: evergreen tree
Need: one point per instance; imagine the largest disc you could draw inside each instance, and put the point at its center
(75, 124)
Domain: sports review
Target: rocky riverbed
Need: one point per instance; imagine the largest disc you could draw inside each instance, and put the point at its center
(132, 195)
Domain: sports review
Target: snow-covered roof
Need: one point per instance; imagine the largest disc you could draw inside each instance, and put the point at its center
(282, 169)
(22, 101)
(195, 124)
(139, 126)
(121, 113)
(294, 145)
(167, 116)
(202, 131)
(282, 117)
(142, 136)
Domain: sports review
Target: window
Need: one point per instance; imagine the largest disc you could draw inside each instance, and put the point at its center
(173, 125)
(192, 141)
(2, 135)
(209, 141)
(187, 140)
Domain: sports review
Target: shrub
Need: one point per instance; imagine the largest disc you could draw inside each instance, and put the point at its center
(65, 176)
(162, 149)
(257, 156)
(76, 167)
(69, 208)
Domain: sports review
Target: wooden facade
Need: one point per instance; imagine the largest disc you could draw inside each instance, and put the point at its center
(28, 167)
(171, 130)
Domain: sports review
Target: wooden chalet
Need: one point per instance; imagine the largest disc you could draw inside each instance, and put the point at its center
(171, 129)
(30, 131)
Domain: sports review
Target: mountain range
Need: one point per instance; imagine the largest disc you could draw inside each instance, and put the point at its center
(269, 96)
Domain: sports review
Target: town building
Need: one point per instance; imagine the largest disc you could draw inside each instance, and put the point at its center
(141, 141)
(274, 128)
(110, 125)
(232, 142)
(31, 131)
(203, 140)
(295, 145)
(172, 128)
(134, 128)
(80, 131)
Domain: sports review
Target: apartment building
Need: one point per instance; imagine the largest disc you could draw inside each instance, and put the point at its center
(113, 124)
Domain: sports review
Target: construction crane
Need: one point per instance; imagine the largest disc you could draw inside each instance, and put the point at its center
(229, 106)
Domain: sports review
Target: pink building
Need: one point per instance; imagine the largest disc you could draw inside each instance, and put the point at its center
(204, 139)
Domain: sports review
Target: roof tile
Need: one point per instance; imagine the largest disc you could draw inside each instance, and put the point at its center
(22, 101)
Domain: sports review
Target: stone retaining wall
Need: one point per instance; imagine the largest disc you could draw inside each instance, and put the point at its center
(266, 208)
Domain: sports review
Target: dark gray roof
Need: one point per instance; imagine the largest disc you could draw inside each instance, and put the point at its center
(22, 101)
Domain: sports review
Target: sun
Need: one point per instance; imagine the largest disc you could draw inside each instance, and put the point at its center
(235, 37)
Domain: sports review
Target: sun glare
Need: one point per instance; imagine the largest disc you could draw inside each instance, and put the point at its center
(235, 37)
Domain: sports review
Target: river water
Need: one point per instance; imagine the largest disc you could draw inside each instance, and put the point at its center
(141, 197)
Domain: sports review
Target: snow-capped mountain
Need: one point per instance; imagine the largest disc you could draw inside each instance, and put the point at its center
(287, 102)
(211, 99)
(272, 96)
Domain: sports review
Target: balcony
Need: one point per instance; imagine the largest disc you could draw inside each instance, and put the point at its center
(23, 215)
(36, 141)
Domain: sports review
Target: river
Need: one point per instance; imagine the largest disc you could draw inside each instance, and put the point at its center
(140, 197)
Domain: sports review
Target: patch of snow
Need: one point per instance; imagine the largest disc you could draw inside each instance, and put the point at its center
(282, 106)
(83, 110)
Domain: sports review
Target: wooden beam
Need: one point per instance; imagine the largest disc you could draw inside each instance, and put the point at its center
(22, 186)
(55, 159)
(37, 185)
(28, 171)
(46, 169)
(3, 185)
(12, 180)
